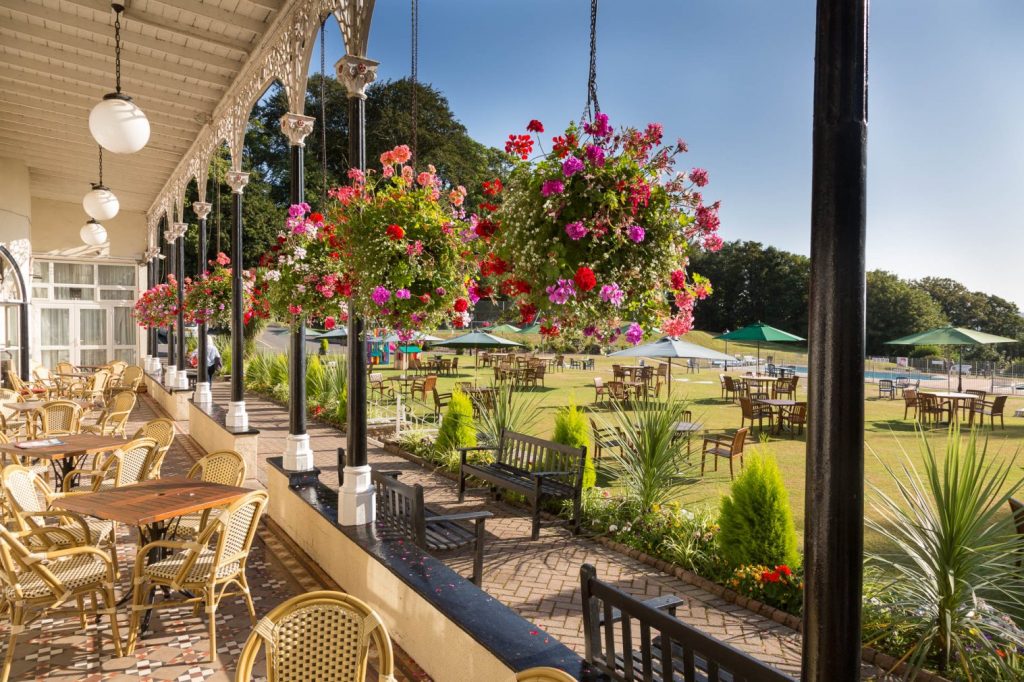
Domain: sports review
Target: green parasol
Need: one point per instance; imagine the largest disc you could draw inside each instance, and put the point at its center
(760, 333)
(952, 336)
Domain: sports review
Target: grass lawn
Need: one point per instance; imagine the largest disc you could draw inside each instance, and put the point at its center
(886, 432)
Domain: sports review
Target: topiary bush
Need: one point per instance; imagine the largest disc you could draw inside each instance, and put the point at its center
(571, 429)
(457, 428)
(756, 521)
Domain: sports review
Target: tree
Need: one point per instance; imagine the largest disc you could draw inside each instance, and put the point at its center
(975, 310)
(896, 308)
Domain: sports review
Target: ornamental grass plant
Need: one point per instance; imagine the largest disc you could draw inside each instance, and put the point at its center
(513, 411)
(950, 592)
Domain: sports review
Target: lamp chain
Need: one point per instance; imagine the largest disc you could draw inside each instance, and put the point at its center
(101, 163)
(117, 46)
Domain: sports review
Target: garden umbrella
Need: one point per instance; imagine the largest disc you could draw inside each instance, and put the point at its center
(504, 329)
(417, 337)
(670, 348)
(478, 340)
(759, 333)
(530, 329)
(952, 336)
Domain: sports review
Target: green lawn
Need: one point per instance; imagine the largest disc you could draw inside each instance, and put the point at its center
(886, 432)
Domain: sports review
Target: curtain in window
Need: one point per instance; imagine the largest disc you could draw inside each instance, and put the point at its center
(117, 275)
(55, 324)
(124, 327)
(93, 327)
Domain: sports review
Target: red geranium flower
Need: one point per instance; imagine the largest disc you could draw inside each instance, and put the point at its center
(329, 322)
(485, 228)
(519, 145)
(395, 232)
(585, 279)
(678, 280)
(425, 299)
(316, 217)
(492, 187)
(784, 570)
(535, 126)
(527, 313)
(461, 305)
(549, 330)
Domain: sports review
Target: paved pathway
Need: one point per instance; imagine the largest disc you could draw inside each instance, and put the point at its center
(540, 579)
(56, 648)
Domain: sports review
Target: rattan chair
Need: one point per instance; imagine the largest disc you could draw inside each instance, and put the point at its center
(36, 582)
(56, 418)
(125, 465)
(93, 388)
(162, 431)
(25, 388)
(544, 674)
(12, 422)
(114, 417)
(28, 498)
(323, 636)
(41, 376)
(206, 567)
(225, 467)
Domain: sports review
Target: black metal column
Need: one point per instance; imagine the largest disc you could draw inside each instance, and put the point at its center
(237, 302)
(179, 267)
(356, 417)
(833, 535)
(169, 262)
(297, 356)
(202, 371)
(151, 335)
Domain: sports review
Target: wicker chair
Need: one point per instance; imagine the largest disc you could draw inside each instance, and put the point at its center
(225, 467)
(35, 582)
(128, 464)
(28, 497)
(92, 388)
(56, 418)
(162, 431)
(12, 422)
(323, 636)
(42, 376)
(114, 417)
(205, 567)
(130, 380)
(544, 674)
(25, 388)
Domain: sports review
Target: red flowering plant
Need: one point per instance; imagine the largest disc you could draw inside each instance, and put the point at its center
(409, 255)
(302, 276)
(158, 306)
(594, 233)
(208, 296)
(781, 587)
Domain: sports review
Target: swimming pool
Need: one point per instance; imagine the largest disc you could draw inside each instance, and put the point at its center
(879, 374)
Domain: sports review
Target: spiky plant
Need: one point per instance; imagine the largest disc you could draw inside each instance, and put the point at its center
(512, 412)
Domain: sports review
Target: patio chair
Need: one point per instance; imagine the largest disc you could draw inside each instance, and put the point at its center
(618, 391)
(440, 400)
(929, 409)
(455, 365)
(43, 377)
(421, 386)
(1017, 512)
(544, 674)
(225, 467)
(886, 388)
(123, 466)
(114, 417)
(380, 388)
(991, 409)
(28, 498)
(12, 422)
(728, 447)
(56, 418)
(910, 401)
(92, 389)
(732, 388)
(967, 407)
(38, 581)
(205, 567)
(605, 438)
(162, 431)
(618, 374)
(129, 380)
(323, 636)
(795, 417)
(785, 389)
(25, 388)
(751, 410)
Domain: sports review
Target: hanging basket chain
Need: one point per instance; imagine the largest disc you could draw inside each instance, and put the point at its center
(323, 111)
(414, 76)
(592, 107)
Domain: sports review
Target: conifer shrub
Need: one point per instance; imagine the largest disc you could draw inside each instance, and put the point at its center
(457, 428)
(571, 429)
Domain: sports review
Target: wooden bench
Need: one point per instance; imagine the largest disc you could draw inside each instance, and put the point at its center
(536, 468)
(400, 510)
(654, 645)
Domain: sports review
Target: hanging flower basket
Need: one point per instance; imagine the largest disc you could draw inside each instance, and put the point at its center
(302, 278)
(595, 234)
(158, 306)
(408, 258)
(208, 297)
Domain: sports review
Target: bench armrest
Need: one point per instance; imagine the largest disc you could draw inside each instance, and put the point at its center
(666, 602)
(463, 516)
(542, 474)
(390, 474)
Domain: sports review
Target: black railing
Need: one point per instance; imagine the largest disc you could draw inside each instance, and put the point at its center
(667, 648)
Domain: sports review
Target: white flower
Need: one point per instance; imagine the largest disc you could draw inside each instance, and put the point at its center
(613, 528)
(627, 527)
(273, 275)
(300, 252)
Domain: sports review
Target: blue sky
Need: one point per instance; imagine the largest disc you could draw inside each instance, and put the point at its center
(734, 78)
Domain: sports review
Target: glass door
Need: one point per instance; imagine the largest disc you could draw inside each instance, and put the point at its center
(92, 337)
(55, 335)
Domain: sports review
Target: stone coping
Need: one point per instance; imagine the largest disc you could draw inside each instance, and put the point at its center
(509, 637)
(218, 414)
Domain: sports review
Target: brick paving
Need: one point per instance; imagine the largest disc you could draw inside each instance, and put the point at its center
(176, 647)
(540, 579)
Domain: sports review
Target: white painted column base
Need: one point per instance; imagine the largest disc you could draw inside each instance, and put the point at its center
(181, 379)
(170, 376)
(237, 418)
(298, 456)
(356, 499)
(202, 394)
(152, 365)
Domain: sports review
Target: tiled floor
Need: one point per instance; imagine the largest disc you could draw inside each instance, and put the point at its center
(56, 648)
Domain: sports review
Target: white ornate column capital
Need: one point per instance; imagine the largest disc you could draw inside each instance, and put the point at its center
(180, 229)
(237, 180)
(170, 235)
(296, 127)
(356, 73)
(201, 209)
(150, 254)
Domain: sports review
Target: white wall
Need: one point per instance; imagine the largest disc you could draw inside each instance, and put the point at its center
(16, 211)
(56, 225)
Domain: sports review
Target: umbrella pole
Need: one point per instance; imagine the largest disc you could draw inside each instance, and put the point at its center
(959, 369)
(670, 378)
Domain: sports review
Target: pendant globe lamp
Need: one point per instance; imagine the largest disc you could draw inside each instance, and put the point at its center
(93, 234)
(117, 123)
(101, 203)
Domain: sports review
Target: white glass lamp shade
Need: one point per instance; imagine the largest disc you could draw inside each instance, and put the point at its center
(119, 125)
(100, 203)
(93, 234)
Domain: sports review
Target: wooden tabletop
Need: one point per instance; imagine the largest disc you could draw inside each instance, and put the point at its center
(778, 403)
(947, 395)
(30, 405)
(75, 375)
(71, 446)
(688, 427)
(149, 502)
